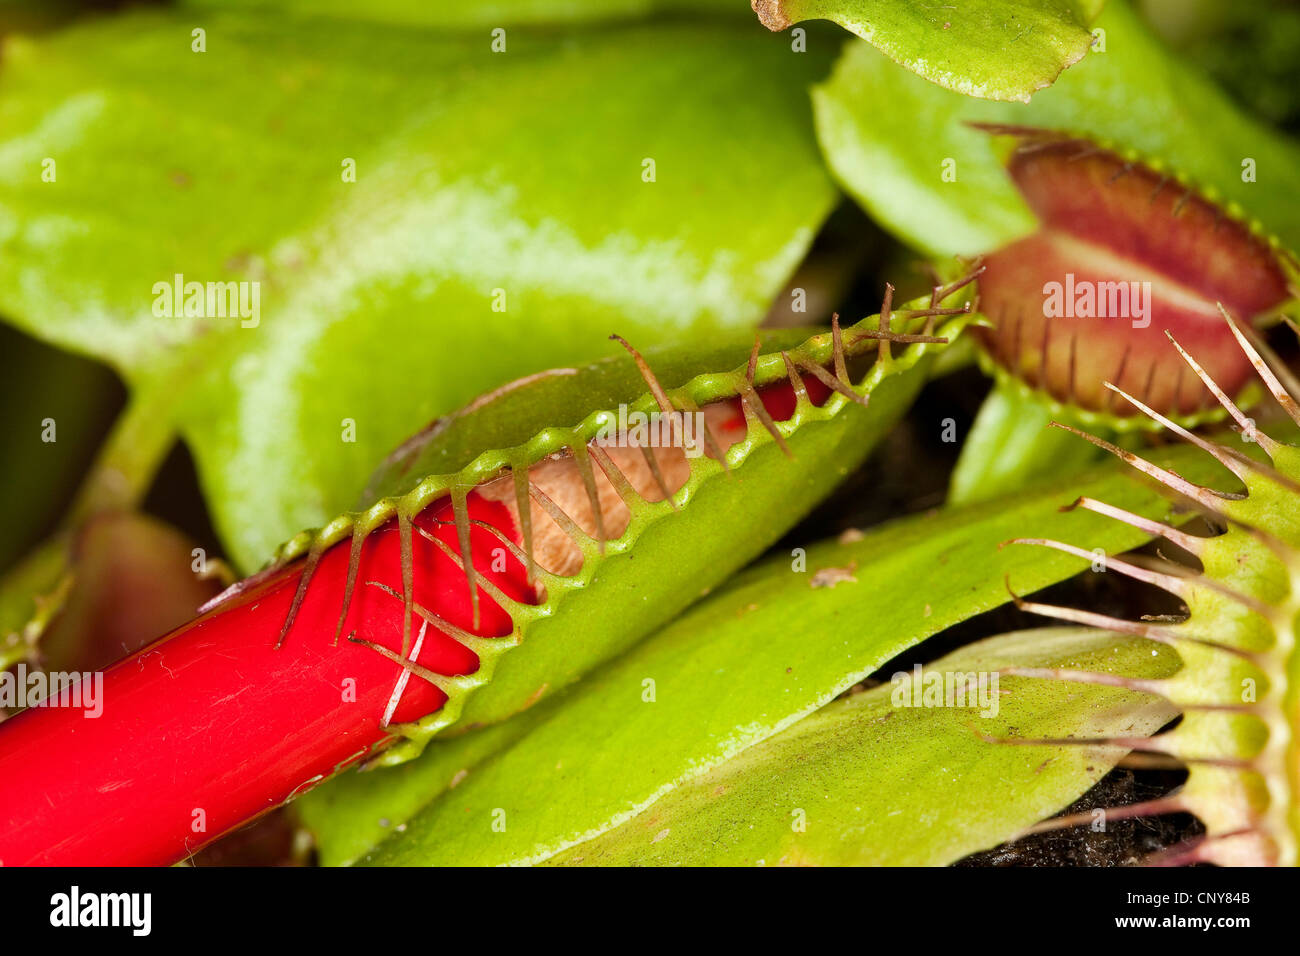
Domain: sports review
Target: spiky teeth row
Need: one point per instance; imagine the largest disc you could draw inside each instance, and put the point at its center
(1238, 684)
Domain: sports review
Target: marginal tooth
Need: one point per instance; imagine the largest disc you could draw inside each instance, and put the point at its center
(1247, 425)
(543, 576)
(1132, 811)
(1195, 581)
(755, 406)
(829, 380)
(1157, 686)
(711, 445)
(308, 570)
(525, 511)
(1275, 386)
(1208, 498)
(1171, 689)
(558, 515)
(941, 292)
(1141, 744)
(448, 685)
(482, 646)
(1170, 582)
(1163, 745)
(615, 476)
(752, 367)
(656, 472)
(359, 535)
(408, 575)
(1233, 460)
(1177, 580)
(1105, 622)
(796, 380)
(1245, 847)
(837, 350)
(906, 338)
(1188, 542)
(501, 598)
(651, 381)
(581, 459)
(402, 679)
(1145, 761)
(885, 307)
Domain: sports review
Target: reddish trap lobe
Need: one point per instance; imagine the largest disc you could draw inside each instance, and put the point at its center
(1107, 221)
(213, 724)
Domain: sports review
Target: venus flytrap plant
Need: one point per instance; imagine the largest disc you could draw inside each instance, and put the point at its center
(1131, 175)
(465, 595)
(499, 558)
(756, 657)
(1124, 251)
(1237, 686)
(394, 240)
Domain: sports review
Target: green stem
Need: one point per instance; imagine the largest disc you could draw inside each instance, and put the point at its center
(32, 592)
(131, 456)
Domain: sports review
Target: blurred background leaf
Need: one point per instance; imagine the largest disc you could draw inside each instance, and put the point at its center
(1250, 47)
(474, 14)
(888, 134)
(80, 397)
(523, 171)
(993, 49)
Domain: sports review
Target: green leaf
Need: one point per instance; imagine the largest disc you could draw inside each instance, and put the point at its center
(473, 14)
(1013, 444)
(995, 49)
(727, 675)
(867, 782)
(376, 296)
(351, 813)
(674, 550)
(896, 142)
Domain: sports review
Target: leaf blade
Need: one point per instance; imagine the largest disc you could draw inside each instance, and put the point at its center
(992, 49)
(228, 165)
(905, 786)
(721, 678)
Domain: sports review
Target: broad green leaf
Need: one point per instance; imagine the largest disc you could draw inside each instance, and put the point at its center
(743, 665)
(485, 14)
(350, 814)
(903, 148)
(995, 49)
(515, 180)
(867, 781)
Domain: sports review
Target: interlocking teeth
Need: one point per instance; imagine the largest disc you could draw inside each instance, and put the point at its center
(1236, 642)
(547, 509)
